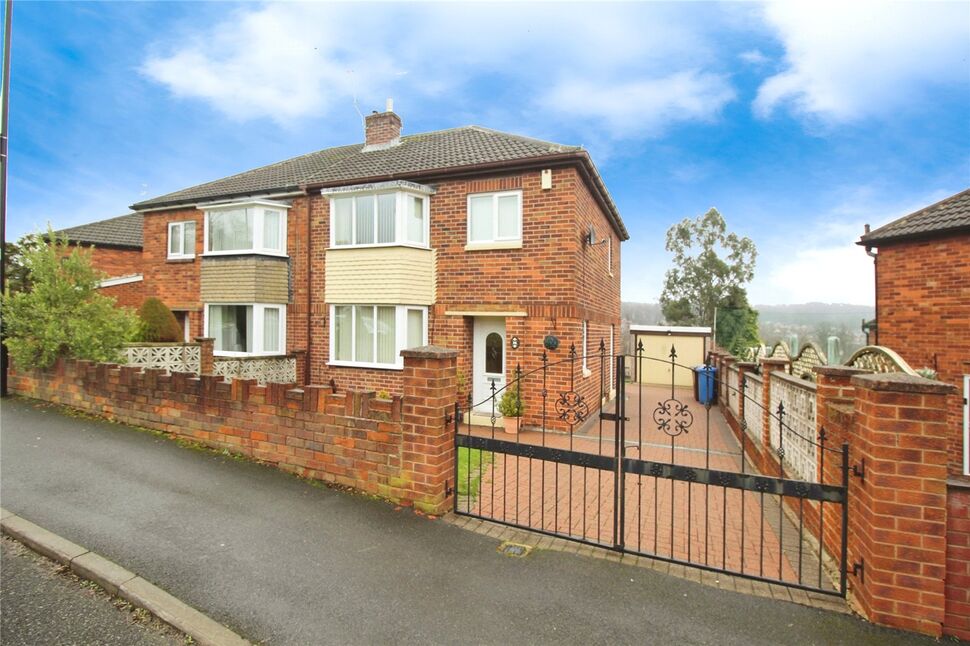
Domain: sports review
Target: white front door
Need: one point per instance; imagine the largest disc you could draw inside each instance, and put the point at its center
(489, 362)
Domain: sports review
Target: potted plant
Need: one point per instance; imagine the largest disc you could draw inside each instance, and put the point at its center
(511, 408)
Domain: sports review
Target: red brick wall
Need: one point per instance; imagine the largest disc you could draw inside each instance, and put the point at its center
(115, 262)
(923, 313)
(174, 282)
(957, 621)
(400, 449)
(127, 295)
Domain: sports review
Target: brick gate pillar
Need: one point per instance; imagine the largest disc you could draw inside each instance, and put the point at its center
(897, 513)
(428, 456)
(206, 354)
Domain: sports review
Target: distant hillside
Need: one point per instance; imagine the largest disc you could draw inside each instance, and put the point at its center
(808, 321)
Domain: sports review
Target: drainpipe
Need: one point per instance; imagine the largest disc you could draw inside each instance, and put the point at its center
(875, 278)
(309, 291)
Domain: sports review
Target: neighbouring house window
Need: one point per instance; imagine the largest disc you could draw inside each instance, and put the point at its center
(181, 240)
(247, 329)
(379, 219)
(374, 335)
(495, 217)
(252, 228)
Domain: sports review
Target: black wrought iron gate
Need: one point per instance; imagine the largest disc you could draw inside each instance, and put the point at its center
(626, 466)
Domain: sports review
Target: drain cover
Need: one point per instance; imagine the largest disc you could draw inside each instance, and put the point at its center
(516, 550)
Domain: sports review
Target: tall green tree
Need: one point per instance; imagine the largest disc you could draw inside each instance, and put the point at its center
(709, 263)
(737, 323)
(59, 312)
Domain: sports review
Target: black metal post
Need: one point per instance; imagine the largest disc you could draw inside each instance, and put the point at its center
(845, 518)
(4, 111)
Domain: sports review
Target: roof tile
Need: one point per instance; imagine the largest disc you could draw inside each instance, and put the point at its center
(950, 214)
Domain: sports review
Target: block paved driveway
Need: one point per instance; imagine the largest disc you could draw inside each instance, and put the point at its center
(285, 562)
(739, 531)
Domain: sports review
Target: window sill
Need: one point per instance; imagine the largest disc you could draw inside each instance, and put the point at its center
(178, 259)
(354, 364)
(487, 246)
(243, 252)
(410, 245)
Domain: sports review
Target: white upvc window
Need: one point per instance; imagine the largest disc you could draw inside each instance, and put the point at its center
(254, 227)
(495, 219)
(372, 336)
(181, 240)
(380, 219)
(242, 329)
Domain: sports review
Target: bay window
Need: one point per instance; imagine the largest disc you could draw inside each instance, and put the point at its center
(495, 219)
(255, 328)
(181, 240)
(379, 219)
(255, 227)
(374, 335)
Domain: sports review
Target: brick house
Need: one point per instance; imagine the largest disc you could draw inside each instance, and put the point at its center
(468, 238)
(922, 268)
(115, 245)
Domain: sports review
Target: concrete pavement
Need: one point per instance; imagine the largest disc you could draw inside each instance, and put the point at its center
(283, 561)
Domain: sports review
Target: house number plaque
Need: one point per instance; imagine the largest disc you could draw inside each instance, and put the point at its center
(515, 343)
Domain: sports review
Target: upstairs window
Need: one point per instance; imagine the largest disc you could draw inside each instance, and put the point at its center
(495, 218)
(379, 219)
(246, 228)
(181, 240)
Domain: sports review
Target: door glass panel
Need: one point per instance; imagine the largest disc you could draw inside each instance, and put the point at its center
(493, 354)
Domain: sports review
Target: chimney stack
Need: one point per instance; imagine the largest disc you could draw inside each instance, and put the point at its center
(382, 129)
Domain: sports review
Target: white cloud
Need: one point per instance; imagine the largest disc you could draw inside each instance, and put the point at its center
(847, 60)
(603, 65)
(754, 57)
(645, 106)
(837, 274)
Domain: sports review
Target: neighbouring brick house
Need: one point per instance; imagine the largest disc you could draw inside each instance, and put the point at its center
(922, 268)
(923, 313)
(116, 249)
(463, 238)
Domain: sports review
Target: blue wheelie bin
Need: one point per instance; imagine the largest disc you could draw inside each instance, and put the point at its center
(704, 377)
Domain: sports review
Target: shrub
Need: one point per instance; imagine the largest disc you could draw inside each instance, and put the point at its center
(511, 403)
(63, 314)
(158, 324)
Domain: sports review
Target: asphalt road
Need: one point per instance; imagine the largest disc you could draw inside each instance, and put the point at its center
(42, 606)
(283, 561)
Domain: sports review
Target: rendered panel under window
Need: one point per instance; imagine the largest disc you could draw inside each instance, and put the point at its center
(231, 230)
(508, 216)
(415, 329)
(342, 221)
(188, 238)
(271, 230)
(365, 219)
(271, 330)
(365, 334)
(386, 210)
(481, 218)
(386, 335)
(342, 333)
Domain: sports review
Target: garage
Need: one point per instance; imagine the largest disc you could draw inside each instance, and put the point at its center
(692, 344)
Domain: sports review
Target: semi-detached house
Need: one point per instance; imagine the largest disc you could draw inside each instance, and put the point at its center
(463, 238)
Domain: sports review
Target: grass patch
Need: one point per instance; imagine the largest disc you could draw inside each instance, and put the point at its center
(472, 465)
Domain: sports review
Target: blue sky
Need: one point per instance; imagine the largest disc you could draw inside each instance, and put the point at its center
(800, 122)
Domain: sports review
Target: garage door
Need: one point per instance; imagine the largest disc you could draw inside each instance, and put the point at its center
(690, 352)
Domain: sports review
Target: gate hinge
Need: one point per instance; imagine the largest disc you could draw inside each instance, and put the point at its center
(859, 470)
(859, 570)
(611, 417)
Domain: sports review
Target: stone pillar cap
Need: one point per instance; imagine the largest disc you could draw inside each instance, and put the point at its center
(429, 352)
(902, 383)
